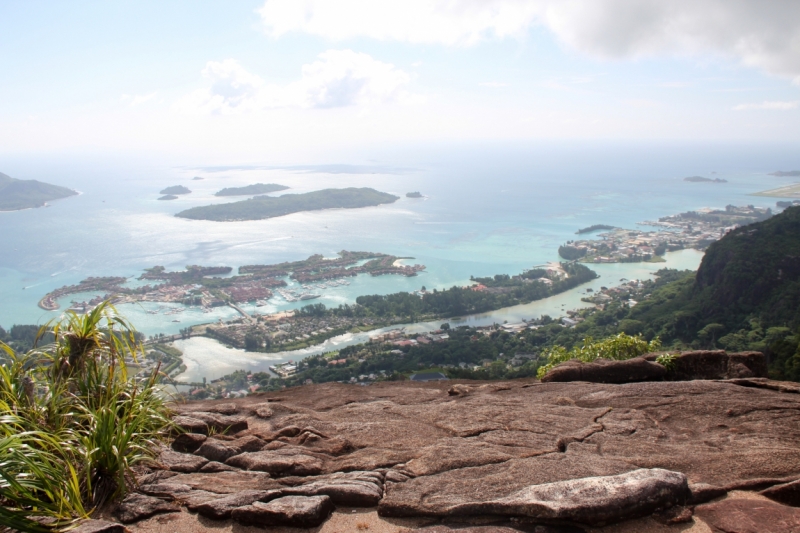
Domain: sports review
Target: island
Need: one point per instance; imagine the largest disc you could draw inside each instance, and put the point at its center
(701, 179)
(168, 197)
(25, 194)
(261, 207)
(786, 173)
(176, 189)
(197, 178)
(250, 190)
(212, 286)
(596, 227)
(415, 194)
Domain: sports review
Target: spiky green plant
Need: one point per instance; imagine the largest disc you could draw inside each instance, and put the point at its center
(618, 347)
(76, 413)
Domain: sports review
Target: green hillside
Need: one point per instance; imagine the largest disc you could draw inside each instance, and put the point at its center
(744, 296)
(23, 194)
(262, 207)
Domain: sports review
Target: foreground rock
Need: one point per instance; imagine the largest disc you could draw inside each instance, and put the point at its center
(137, 507)
(606, 371)
(556, 455)
(590, 500)
(294, 511)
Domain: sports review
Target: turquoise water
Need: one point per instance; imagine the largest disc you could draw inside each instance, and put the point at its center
(488, 210)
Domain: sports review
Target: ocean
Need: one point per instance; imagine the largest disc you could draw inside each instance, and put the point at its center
(487, 209)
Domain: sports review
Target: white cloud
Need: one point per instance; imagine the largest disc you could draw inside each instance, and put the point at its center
(762, 34)
(137, 99)
(774, 106)
(493, 84)
(339, 78)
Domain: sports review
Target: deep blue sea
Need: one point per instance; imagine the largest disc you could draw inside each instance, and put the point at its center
(487, 209)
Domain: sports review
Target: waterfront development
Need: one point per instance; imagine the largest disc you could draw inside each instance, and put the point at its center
(692, 229)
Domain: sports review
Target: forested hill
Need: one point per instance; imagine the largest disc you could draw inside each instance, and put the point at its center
(745, 296)
(23, 194)
(754, 269)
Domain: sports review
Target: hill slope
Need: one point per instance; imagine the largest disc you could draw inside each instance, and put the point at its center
(23, 194)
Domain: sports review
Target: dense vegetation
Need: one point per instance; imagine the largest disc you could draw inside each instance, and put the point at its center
(73, 424)
(503, 291)
(24, 194)
(595, 227)
(249, 190)
(262, 207)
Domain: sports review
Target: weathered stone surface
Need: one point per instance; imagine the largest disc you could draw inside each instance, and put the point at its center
(278, 463)
(188, 442)
(497, 439)
(592, 500)
(295, 511)
(191, 424)
(352, 489)
(137, 507)
(499, 529)
(221, 508)
(786, 493)
(221, 423)
(181, 462)
(216, 450)
(749, 516)
(100, 526)
(212, 467)
(717, 364)
(262, 410)
(228, 482)
(606, 371)
(165, 490)
(229, 408)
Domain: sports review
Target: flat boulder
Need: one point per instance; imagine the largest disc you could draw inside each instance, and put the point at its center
(137, 507)
(220, 508)
(188, 442)
(221, 423)
(607, 371)
(227, 482)
(588, 500)
(190, 424)
(217, 450)
(293, 511)
(277, 463)
(181, 462)
(351, 489)
(212, 467)
(749, 516)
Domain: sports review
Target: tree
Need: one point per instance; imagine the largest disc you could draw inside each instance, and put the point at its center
(711, 331)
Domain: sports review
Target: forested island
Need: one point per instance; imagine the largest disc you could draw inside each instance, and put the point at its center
(415, 194)
(785, 173)
(262, 207)
(250, 190)
(24, 194)
(176, 189)
(168, 197)
(701, 179)
(596, 227)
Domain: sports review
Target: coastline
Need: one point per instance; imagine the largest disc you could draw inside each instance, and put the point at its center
(218, 354)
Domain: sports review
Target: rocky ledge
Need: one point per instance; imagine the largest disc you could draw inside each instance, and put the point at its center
(484, 457)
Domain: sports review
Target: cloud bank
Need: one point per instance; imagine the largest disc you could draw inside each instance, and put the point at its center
(773, 106)
(339, 78)
(760, 34)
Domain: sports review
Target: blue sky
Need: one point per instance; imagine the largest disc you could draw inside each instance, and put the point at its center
(299, 80)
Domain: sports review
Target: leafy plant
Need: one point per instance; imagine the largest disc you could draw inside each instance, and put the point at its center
(74, 423)
(667, 360)
(619, 347)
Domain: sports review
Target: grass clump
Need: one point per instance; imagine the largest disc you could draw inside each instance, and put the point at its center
(619, 348)
(73, 423)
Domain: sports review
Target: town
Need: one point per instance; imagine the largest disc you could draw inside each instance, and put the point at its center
(693, 229)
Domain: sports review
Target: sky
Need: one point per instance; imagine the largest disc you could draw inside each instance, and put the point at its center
(296, 81)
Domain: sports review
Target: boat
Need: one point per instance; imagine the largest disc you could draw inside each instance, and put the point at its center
(309, 296)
